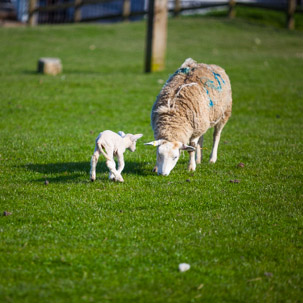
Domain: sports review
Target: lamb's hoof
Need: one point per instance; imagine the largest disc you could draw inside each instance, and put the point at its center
(119, 180)
(212, 161)
(155, 169)
(92, 179)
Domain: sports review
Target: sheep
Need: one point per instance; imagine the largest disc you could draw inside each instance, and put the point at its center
(112, 145)
(195, 98)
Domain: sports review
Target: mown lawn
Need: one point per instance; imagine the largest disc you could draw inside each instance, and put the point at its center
(77, 241)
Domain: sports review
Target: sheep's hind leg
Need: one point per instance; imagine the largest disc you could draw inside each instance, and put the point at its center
(216, 139)
(93, 164)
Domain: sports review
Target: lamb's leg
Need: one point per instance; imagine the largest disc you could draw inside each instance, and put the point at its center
(216, 139)
(113, 172)
(93, 164)
(199, 153)
(121, 165)
(192, 155)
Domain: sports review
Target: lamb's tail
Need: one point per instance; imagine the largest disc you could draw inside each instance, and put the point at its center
(103, 152)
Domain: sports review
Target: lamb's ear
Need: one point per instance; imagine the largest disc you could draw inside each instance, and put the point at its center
(154, 143)
(121, 133)
(136, 137)
(187, 147)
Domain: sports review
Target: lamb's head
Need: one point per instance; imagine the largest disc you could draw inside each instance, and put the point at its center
(168, 154)
(131, 140)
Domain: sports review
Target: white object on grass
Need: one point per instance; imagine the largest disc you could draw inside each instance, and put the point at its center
(184, 267)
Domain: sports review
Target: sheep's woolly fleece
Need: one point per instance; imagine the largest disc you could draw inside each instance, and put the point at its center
(196, 97)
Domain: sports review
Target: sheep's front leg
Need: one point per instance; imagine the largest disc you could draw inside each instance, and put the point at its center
(93, 164)
(113, 172)
(155, 169)
(192, 155)
(199, 153)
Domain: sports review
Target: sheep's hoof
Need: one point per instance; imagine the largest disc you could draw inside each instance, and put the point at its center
(155, 169)
(212, 161)
(191, 168)
(92, 179)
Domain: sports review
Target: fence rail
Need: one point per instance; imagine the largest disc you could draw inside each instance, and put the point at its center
(125, 12)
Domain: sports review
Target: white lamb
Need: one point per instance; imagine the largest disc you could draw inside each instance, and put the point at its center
(113, 145)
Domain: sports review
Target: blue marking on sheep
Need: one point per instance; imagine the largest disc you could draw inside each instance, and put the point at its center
(211, 103)
(217, 76)
(182, 70)
(211, 84)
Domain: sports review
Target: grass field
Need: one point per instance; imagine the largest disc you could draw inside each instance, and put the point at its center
(77, 241)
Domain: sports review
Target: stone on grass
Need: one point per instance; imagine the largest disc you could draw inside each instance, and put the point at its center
(49, 66)
(184, 267)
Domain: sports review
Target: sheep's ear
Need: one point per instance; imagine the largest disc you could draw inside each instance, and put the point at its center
(136, 137)
(154, 143)
(189, 62)
(187, 148)
(121, 133)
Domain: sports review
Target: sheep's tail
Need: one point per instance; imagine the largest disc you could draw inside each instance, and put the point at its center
(103, 152)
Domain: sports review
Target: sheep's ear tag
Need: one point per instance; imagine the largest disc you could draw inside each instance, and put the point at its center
(187, 148)
(154, 143)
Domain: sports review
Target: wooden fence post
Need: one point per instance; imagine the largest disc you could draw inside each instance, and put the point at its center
(126, 9)
(77, 11)
(231, 10)
(177, 8)
(291, 8)
(32, 16)
(156, 35)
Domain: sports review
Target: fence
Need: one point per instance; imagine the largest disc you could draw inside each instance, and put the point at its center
(67, 11)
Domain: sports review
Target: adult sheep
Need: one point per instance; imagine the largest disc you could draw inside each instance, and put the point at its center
(195, 98)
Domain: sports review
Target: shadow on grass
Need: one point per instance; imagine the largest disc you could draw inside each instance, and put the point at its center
(74, 171)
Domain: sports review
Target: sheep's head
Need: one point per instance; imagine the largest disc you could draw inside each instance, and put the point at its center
(131, 140)
(168, 154)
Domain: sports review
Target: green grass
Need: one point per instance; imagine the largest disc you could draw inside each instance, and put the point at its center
(77, 241)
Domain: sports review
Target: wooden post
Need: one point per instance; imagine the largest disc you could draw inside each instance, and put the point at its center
(126, 9)
(177, 8)
(32, 16)
(77, 11)
(231, 10)
(156, 35)
(291, 8)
